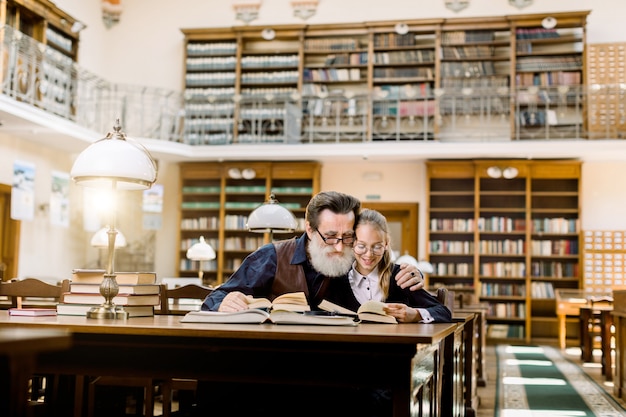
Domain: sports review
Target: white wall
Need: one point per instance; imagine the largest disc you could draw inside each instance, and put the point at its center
(45, 250)
(146, 47)
(603, 196)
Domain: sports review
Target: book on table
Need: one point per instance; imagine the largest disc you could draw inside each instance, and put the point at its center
(119, 299)
(258, 316)
(88, 288)
(64, 309)
(95, 276)
(32, 312)
(290, 308)
(370, 311)
(293, 301)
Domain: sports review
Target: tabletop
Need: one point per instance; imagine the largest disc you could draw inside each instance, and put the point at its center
(169, 325)
(20, 340)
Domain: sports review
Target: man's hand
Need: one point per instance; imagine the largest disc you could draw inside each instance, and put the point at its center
(410, 277)
(234, 301)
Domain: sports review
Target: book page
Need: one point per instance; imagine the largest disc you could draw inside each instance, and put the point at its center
(297, 298)
(373, 306)
(335, 308)
(258, 302)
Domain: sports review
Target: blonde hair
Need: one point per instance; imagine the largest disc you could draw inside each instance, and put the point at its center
(385, 265)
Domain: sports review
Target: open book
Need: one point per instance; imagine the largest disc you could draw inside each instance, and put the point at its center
(370, 311)
(255, 315)
(294, 301)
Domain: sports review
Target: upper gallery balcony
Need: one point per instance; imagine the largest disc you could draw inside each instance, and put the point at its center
(36, 78)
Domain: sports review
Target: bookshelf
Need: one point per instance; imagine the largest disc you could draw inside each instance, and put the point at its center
(269, 76)
(210, 75)
(403, 81)
(335, 86)
(400, 80)
(46, 23)
(216, 199)
(475, 57)
(549, 70)
(507, 233)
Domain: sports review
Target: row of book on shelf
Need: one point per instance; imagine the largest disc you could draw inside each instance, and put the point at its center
(558, 225)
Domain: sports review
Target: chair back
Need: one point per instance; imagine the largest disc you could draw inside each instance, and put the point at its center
(47, 294)
(446, 298)
(178, 294)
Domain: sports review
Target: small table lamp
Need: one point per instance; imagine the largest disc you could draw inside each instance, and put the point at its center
(200, 251)
(115, 163)
(272, 218)
(424, 267)
(101, 240)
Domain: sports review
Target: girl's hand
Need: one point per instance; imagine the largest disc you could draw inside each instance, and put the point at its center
(403, 313)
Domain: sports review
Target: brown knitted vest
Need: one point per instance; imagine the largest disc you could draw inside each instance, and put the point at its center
(289, 278)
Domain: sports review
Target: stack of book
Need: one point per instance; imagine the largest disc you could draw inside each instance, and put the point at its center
(138, 293)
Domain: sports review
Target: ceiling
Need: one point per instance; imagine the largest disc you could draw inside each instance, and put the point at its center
(29, 123)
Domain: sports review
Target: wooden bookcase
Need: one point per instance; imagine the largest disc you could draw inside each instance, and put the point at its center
(505, 233)
(44, 22)
(387, 80)
(548, 65)
(474, 61)
(216, 199)
(403, 80)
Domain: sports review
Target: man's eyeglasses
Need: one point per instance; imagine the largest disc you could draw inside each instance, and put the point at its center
(346, 239)
(362, 249)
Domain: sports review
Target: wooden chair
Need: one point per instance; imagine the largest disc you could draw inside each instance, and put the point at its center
(445, 297)
(172, 299)
(34, 292)
(170, 304)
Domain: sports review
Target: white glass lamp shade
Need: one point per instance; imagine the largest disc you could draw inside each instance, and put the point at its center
(201, 251)
(272, 217)
(424, 266)
(100, 239)
(406, 259)
(115, 162)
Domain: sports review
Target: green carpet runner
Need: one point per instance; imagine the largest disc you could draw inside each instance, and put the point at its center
(538, 381)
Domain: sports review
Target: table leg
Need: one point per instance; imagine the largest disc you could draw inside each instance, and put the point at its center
(561, 318)
(607, 363)
(586, 345)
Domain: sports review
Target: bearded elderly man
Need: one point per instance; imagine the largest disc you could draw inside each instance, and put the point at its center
(304, 264)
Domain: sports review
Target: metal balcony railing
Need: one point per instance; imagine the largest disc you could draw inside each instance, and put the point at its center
(40, 76)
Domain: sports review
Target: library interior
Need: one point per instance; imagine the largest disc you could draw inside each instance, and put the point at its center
(148, 149)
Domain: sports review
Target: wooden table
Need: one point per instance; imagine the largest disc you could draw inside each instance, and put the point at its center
(480, 342)
(467, 357)
(19, 349)
(367, 355)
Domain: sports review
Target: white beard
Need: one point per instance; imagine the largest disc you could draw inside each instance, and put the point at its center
(331, 266)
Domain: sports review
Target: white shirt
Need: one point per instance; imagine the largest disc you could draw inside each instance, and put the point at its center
(365, 288)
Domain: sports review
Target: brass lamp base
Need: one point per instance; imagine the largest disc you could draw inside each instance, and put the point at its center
(104, 312)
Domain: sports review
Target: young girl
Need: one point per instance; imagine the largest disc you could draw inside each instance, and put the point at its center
(372, 277)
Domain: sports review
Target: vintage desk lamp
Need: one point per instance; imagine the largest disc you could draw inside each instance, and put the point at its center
(271, 218)
(200, 251)
(114, 163)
